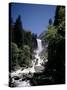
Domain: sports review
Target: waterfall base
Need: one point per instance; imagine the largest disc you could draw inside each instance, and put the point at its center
(22, 77)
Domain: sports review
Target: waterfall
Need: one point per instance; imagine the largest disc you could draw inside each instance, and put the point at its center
(38, 51)
(39, 43)
(36, 67)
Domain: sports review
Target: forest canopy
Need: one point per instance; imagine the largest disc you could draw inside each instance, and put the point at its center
(56, 45)
(23, 42)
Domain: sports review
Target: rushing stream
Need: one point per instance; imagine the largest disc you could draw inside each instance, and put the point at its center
(37, 67)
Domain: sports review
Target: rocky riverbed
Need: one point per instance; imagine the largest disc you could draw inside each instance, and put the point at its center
(23, 76)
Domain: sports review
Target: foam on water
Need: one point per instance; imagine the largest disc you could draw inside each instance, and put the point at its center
(32, 69)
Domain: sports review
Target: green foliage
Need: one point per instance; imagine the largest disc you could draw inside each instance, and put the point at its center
(17, 32)
(14, 55)
(20, 57)
(34, 41)
(55, 36)
(56, 45)
(28, 38)
(59, 21)
(24, 56)
(21, 36)
(22, 44)
(59, 15)
(27, 55)
(51, 33)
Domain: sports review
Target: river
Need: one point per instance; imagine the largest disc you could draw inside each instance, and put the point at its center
(28, 72)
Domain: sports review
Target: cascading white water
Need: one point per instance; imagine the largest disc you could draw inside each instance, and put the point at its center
(39, 43)
(38, 51)
(32, 69)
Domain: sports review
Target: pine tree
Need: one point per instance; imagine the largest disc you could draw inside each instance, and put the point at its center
(56, 46)
(18, 32)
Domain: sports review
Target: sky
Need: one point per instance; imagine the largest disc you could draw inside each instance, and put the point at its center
(34, 17)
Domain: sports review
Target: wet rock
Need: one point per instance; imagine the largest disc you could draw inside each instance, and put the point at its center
(39, 68)
(16, 78)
